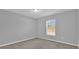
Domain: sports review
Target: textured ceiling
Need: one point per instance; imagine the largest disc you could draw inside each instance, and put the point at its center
(41, 13)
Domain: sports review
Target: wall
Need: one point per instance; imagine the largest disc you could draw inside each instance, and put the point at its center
(78, 26)
(66, 29)
(15, 27)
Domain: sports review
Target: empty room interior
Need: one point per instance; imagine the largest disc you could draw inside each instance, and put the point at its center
(39, 28)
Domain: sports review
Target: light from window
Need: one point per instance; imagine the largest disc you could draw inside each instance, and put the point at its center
(50, 27)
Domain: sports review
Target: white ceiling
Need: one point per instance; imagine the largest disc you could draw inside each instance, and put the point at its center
(41, 13)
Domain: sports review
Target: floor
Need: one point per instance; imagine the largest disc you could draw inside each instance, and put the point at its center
(38, 44)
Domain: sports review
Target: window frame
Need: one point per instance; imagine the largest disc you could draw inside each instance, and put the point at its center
(47, 27)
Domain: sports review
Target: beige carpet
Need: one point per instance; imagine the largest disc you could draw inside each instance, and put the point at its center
(38, 44)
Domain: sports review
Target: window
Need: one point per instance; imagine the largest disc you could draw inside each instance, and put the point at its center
(50, 27)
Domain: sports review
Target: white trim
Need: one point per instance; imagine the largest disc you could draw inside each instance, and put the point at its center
(37, 37)
(60, 41)
(16, 41)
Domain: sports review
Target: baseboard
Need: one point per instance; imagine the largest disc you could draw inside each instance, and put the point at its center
(16, 41)
(60, 42)
(37, 37)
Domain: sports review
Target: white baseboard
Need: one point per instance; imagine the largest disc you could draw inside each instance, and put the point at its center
(16, 41)
(59, 41)
(37, 37)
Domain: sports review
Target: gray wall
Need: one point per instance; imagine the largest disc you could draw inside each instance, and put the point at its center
(15, 27)
(66, 29)
(78, 26)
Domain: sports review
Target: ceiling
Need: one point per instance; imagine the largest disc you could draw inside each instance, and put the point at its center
(41, 13)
